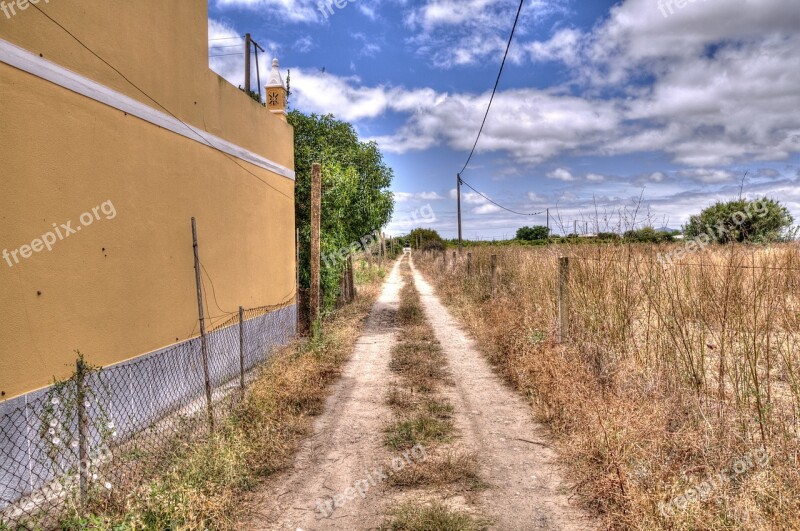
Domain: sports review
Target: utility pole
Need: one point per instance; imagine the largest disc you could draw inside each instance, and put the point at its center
(548, 222)
(247, 41)
(458, 193)
(256, 48)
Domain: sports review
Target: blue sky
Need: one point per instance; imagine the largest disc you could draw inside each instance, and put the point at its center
(602, 103)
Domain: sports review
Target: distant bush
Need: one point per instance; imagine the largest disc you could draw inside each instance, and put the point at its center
(648, 235)
(427, 239)
(535, 233)
(760, 220)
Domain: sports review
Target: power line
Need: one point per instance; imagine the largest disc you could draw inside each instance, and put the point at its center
(226, 38)
(499, 205)
(496, 84)
(461, 181)
(227, 55)
(123, 76)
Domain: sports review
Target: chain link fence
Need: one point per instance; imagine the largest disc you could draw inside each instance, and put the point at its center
(103, 431)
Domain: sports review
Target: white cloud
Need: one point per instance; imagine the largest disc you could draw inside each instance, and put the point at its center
(595, 178)
(561, 174)
(402, 197)
(486, 209)
(563, 46)
(706, 175)
(463, 32)
(291, 10)
(481, 204)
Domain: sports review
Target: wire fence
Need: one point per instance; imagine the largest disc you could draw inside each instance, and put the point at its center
(99, 434)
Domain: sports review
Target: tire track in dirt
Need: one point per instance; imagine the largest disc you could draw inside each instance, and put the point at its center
(526, 491)
(346, 446)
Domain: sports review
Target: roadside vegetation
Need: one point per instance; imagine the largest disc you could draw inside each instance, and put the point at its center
(356, 201)
(203, 483)
(675, 399)
(433, 517)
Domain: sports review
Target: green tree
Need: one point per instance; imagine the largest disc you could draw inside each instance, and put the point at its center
(428, 240)
(759, 220)
(532, 234)
(356, 201)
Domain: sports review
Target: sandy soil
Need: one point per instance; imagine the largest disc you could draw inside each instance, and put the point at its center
(346, 448)
(526, 489)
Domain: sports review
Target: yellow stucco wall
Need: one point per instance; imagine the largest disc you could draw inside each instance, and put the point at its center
(125, 286)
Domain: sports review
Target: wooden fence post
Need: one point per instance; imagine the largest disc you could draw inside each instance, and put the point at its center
(83, 430)
(316, 217)
(494, 275)
(469, 264)
(454, 260)
(297, 278)
(241, 349)
(351, 277)
(563, 299)
(203, 342)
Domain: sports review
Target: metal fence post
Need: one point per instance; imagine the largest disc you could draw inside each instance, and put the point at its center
(241, 349)
(563, 299)
(203, 342)
(494, 275)
(83, 430)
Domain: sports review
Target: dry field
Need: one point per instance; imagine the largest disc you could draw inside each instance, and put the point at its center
(674, 400)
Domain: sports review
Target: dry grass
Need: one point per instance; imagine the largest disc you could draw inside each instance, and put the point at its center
(670, 374)
(434, 517)
(205, 483)
(423, 417)
(449, 468)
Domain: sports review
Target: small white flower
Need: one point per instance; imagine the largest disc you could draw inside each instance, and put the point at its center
(74, 444)
(51, 431)
(55, 401)
(111, 425)
(56, 441)
(53, 423)
(114, 434)
(94, 477)
(87, 404)
(108, 485)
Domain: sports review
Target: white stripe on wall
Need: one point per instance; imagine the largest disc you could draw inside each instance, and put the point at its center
(33, 64)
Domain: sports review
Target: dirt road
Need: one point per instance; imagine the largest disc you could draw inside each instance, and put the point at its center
(346, 446)
(337, 481)
(526, 490)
